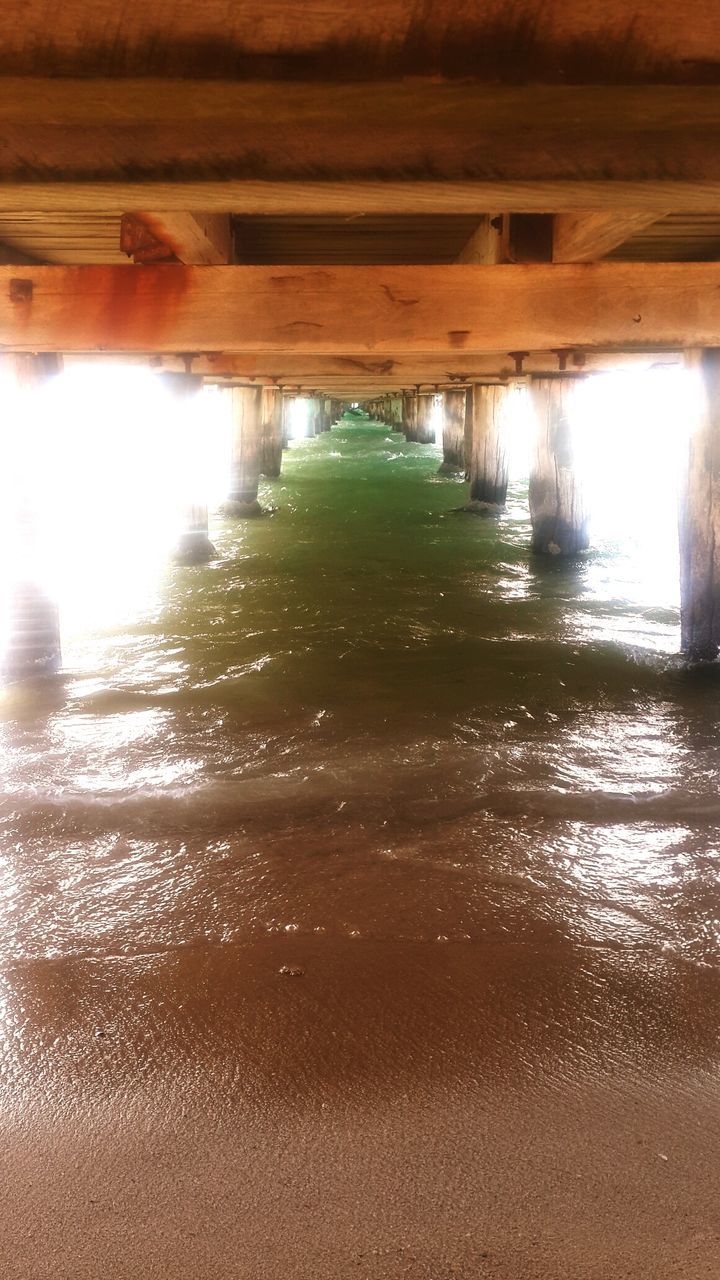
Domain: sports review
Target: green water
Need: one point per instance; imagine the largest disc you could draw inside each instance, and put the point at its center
(373, 716)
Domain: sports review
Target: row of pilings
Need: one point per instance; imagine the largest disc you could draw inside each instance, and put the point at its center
(476, 425)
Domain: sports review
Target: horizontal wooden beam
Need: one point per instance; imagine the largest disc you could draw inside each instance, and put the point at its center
(448, 309)
(402, 369)
(354, 197)
(107, 129)
(531, 41)
(411, 368)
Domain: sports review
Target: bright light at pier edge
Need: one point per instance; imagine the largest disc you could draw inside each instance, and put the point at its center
(630, 437)
(104, 459)
(632, 431)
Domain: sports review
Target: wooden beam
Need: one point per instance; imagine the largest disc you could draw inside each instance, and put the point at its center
(542, 237)
(410, 369)
(485, 245)
(354, 197)
(430, 129)
(532, 41)
(582, 237)
(197, 239)
(396, 371)
(453, 309)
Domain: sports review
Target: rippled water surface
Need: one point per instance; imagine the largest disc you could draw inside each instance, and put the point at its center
(374, 717)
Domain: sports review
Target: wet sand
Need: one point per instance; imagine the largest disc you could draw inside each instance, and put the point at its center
(391, 1110)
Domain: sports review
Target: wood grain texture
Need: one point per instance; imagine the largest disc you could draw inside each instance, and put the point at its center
(553, 40)
(271, 432)
(557, 509)
(453, 431)
(488, 453)
(405, 370)
(409, 414)
(425, 425)
(199, 239)
(700, 520)
(457, 309)
(351, 197)
(587, 236)
(246, 449)
(486, 242)
(100, 130)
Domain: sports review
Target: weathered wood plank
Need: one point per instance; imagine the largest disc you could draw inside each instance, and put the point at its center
(405, 370)
(586, 236)
(355, 196)
(556, 39)
(453, 309)
(424, 367)
(105, 129)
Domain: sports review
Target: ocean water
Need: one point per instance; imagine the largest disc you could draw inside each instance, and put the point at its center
(373, 716)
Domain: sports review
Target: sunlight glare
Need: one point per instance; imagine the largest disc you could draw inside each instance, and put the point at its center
(99, 464)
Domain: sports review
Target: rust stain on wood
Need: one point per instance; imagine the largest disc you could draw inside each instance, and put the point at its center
(137, 304)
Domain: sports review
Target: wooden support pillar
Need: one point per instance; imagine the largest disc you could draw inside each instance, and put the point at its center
(313, 419)
(557, 509)
(700, 520)
(487, 447)
(32, 645)
(246, 452)
(453, 431)
(409, 414)
(286, 410)
(193, 545)
(326, 418)
(425, 418)
(272, 432)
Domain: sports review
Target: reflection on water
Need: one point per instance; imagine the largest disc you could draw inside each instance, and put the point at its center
(372, 717)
